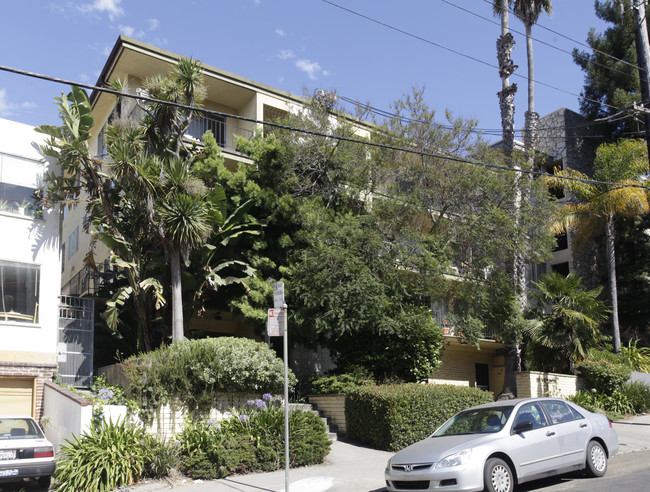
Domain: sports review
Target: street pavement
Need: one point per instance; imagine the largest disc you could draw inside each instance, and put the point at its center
(353, 468)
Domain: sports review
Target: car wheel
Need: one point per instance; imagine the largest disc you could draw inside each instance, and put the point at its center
(498, 476)
(596, 459)
(43, 482)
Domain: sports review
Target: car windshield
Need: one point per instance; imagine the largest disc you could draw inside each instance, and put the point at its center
(19, 428)
(475, 421)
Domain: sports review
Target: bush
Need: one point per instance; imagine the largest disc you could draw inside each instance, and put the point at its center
(252, 440)
(638, 394)
(191, 372)
(339, 384)
(111, 456)
(605, 371)
(391, 417)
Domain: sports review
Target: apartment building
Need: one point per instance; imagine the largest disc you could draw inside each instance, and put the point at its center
(30, 274)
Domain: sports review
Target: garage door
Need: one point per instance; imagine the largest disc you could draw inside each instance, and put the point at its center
(16, 396)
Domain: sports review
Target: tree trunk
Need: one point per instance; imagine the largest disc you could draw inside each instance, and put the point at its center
(611, 271)
(177, 298)
(505, 45)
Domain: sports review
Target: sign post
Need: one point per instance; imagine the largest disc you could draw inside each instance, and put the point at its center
(277, 326)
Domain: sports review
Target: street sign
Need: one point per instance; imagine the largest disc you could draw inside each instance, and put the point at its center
(278, 295)
(275, 323)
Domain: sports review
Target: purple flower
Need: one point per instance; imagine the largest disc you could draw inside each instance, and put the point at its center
(260, 404)
(267, 396)
(243, 417)
(105, 394)
(250, 403)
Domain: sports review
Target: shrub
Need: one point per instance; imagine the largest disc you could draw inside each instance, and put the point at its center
(605, 371)
(391, 417)
(252, 440)
(191, 372)
(639, 357)
(111, 456)
(164, 456)
(638, 395)
(338, 384)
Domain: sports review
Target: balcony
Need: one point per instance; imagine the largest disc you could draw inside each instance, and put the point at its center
(224, 133)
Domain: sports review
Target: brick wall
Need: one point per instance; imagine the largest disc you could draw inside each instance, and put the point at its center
(39, 373)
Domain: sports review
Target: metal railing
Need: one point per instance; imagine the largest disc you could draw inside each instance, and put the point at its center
(224, 133)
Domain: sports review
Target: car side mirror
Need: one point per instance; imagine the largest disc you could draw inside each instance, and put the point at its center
(524, 426)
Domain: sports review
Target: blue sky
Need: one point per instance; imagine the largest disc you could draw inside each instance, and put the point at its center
(300, 44)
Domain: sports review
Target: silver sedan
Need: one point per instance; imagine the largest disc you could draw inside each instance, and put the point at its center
(495, 446)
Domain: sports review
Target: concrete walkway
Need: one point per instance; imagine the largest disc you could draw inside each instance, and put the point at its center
(353, 468)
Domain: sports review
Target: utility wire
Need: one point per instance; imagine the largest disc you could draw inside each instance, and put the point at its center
(608, 55)
(314, 133)
(491, 65)
(562, 50)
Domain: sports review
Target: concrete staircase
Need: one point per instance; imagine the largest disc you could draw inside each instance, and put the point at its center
(306, 407)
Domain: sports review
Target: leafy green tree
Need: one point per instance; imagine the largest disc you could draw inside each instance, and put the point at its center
(611, 76)
(149, 193)
(594, 207)
(567, 319)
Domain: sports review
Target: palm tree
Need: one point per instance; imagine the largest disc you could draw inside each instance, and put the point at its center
(528, 11)
(566, 324)
(594, 207)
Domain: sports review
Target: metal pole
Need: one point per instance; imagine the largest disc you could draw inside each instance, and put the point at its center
(286, 399)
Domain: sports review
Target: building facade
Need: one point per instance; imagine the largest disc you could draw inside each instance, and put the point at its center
(30, 274)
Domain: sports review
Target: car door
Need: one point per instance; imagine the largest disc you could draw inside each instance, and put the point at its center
(572, 429)
(535, 451)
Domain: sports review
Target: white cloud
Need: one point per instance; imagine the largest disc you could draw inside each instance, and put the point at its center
(310, 68)
(130, 32)
(286, 55)
(153, 24)
(29, 105)
(257, 2)
(111, 7)
(280, 32)
(127, 30)
(6, 108)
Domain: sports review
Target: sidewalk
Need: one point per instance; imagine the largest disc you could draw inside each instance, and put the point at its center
(353, 468)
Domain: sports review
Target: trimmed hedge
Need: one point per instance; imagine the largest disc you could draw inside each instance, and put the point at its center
(391, 417)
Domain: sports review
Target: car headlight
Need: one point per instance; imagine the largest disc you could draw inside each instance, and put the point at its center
(456, 459)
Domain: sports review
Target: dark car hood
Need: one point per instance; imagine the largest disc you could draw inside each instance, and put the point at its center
(433, 449)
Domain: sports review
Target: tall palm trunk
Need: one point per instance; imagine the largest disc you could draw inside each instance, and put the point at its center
(611, 272)
(505, 45)
(177, 297)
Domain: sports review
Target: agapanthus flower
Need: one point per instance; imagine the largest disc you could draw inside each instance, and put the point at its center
(250, 403)
(244, 418)
(260, 404)
(105, 394)
(267, 396)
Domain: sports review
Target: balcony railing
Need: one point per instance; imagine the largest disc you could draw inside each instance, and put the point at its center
(224, 133)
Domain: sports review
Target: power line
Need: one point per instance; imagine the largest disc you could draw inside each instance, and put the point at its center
(314, 133)
(562, 50)
(456, 52)
(608, 55)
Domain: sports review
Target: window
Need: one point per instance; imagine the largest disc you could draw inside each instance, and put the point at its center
(19, 287)
(562, 242)
(558, 411)
(561, 268)
(531, 412)
(73, 242)
(274, 115)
